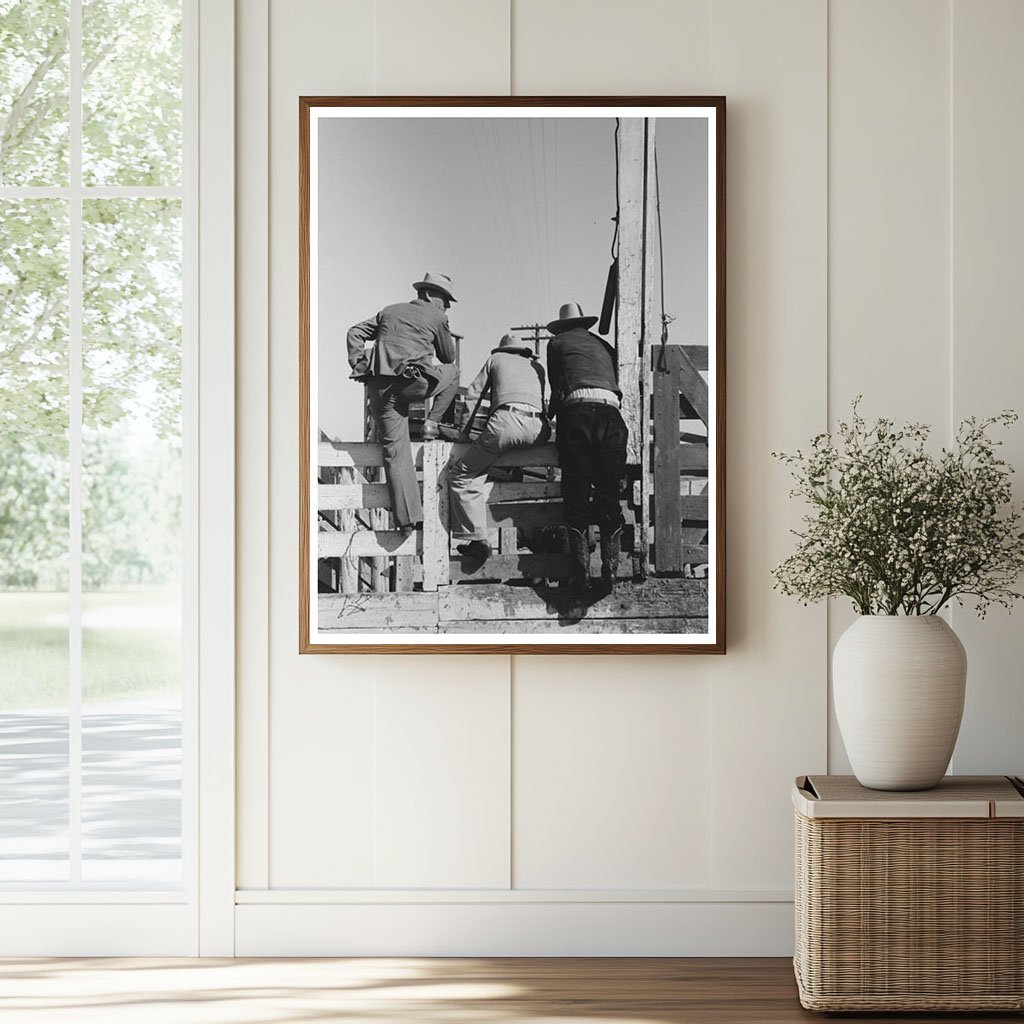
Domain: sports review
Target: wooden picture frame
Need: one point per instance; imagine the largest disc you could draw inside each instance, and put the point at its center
(364, 163)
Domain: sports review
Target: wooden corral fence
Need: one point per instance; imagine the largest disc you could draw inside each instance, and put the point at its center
(374, 578)
(524, 515)
(674, 474)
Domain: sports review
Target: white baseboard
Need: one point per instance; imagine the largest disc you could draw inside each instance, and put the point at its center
(521, 928)
(97, 929)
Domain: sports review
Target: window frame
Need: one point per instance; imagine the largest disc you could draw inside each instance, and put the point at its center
(94, 923)
(180, 925)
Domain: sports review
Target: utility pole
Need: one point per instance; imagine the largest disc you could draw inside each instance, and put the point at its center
(535, 334)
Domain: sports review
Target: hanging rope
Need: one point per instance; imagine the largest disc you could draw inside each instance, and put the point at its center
(611, 287)
(666, 319)
(615, 236)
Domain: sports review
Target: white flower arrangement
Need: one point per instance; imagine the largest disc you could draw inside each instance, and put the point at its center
(899, 530)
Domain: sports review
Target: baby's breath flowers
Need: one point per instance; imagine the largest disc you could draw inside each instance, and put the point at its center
(899, 530)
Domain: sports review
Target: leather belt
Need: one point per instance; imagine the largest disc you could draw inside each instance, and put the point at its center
(591, 401)
(523, 410)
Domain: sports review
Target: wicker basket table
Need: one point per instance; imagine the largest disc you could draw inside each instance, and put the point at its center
(910, 901)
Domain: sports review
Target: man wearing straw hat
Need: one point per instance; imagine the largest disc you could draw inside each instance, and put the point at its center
(591, 440)
(515, 382)
(406, 354)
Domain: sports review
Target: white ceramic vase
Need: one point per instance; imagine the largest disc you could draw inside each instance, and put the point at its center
(898, 685)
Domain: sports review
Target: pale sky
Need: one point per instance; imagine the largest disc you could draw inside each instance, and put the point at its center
(517, 211)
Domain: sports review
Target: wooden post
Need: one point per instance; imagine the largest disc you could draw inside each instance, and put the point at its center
(436, 456)
(349, 571)
(379, 569)
(636, 135)
(668, 517)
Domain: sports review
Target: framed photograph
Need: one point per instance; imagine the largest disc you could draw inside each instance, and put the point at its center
(512, 375)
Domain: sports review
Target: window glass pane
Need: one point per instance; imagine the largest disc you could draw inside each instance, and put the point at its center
(131, 92)
(131, 541)
(34, 493)
(33, 92)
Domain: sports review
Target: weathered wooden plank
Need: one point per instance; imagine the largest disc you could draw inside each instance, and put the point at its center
(358, 453)
(380, 572)
(524, 565)
(349, 567)
(405, 573)
(366, 544)
(367, 453)
(540, 455)
(693, 507)
(692, 386)
(654, 598)
(368, 496)
(377, 611)
(629, 316)
(697, 534)
(667, 451)
(679, 626)
(698, 356)
(352, 496)
(693, 458)
(695, 554)
(527, 490)
(527, 515)
(436, 455)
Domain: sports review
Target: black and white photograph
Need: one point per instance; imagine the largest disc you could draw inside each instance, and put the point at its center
(512, 375)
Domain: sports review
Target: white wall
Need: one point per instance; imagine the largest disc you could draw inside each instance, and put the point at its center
(623, 805)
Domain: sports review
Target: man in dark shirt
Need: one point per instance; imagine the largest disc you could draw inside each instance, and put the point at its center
(590, 438)
(406, 354)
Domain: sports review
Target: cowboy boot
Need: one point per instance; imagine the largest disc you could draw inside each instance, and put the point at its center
(579, 560)
(611, 547)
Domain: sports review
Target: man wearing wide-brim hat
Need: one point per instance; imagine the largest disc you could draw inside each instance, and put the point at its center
(406, 354)
(514, 379)
(591, 440)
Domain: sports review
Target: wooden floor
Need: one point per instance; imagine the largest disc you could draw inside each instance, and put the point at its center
(413, 991)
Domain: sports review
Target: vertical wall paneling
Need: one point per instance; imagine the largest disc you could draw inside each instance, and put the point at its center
(988, 315)
(845, 262)
(444, 48)
(888, 223)
(610, 771)
(325, 729)
(442, 776)
(889, 202)
(253, 458)
(442, 770)
(320, 708)
(769, 692)
(608, 48)
(611, 775)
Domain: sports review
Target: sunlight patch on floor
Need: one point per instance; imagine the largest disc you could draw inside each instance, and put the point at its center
(219, 991)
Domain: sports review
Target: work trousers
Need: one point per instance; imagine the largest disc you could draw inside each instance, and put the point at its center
(591, 442)
(507, 427)
(389, 404)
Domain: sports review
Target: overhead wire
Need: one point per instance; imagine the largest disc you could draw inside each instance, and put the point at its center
(502, 162)
(531, 215)
(538, 215)
(547, 212)
(555, 221)
(666, 318)
(492, 202)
